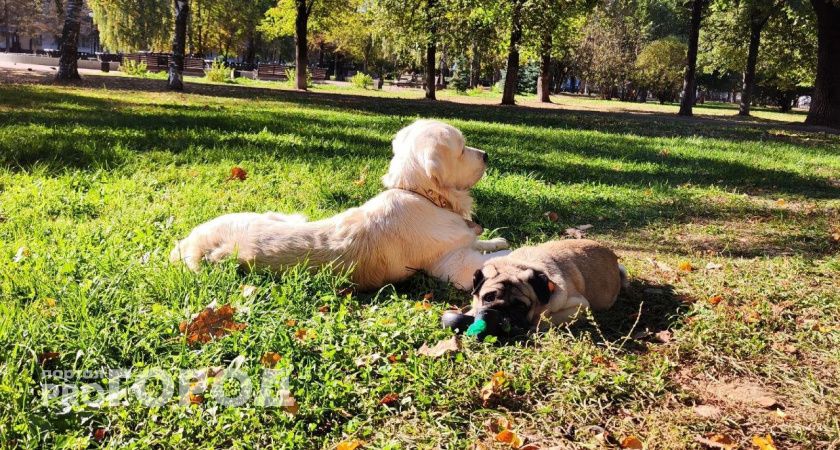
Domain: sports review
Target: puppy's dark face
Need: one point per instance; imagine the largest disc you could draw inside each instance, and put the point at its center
(516, 293)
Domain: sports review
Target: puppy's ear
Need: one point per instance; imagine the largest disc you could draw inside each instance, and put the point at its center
(542, 286)
(434, 169)
(478, 281)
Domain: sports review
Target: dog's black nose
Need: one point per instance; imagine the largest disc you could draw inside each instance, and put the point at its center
(486, 158)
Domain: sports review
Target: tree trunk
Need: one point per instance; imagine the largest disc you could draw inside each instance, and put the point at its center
(251, 48)
(430, 51)
(176, 64)
(689, 82)
(825, 103)
(68, 66)
(544, 81)
(301, 21)
(475, 66)
(512, 73)
(749, 74)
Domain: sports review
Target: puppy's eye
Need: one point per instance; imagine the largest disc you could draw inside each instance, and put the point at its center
(488, 297)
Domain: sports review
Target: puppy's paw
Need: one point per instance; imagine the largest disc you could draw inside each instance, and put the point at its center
(187, 252)
(493, 245)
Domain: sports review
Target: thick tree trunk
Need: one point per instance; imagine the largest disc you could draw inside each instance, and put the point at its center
(431, 46)
(689, 82)
(301, 61)
(68, 66)
(825, 103)
(544, 81)
(512, 72)
(475, 66)
(179, 42)
(749, 73)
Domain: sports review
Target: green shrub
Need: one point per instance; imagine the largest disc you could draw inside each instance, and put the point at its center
(291, 75)
(361, 80)
(461, 77)
(218, 72)
(135, 68)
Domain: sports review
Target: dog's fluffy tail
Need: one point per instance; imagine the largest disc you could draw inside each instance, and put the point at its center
(625, 279)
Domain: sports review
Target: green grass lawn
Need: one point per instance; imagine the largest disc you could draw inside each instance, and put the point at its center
(97, 183)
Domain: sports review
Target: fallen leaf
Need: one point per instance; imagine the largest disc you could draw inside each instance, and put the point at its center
(270, 359)
(715, 299)
(291, 322)
(664, 336)
(389, 399)
(713, 266)
(497, 424)
(22, 253)
(210, 323)
(632, 442)
(324, 309)
(46, 357)
(510, 438)
(781, 202)
(661, 265)
(451, 345)
(195, 399)
(531, 446)
(393, 359)
(685, 266)
(302, 334)
(100, 434)
(493, 387)
(429, 296)
(238, 173)
(716, 440)
(552, 216)
(707, 411)
(248, 290)
(289, 403)
(349, 445)
(50, 302)
(764, 442)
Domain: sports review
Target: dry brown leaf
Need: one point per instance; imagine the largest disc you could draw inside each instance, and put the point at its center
(324, 309)
(716, 440)
(664, 336)
(509, 437)
(291, 322)
(497, 424)
(349, 445)
(632, 442)
(715, 299)
(764, 442)
(451, 345)
(270, 359)
(707, 411)
(210, 323)
(552, 216)
(429, 296)
(100, 434)
(290, 404)
(389, 399)
(303, 334)
(531, 446)
(238, 173)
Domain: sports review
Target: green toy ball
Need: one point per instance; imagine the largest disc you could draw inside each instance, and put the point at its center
(477, 327)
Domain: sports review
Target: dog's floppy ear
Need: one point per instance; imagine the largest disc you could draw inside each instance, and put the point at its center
(478, 280)
(542, 286)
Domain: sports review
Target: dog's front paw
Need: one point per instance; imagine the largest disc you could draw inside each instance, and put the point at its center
(492, 245)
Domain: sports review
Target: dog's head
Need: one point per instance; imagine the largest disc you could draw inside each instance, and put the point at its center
(433, 155)
(515, 292)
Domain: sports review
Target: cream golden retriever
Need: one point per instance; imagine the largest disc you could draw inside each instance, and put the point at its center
(420, 222)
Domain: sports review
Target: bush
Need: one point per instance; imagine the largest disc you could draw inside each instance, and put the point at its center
(361, 80)
(526, 82)
(291, 75)
(660, 67)
(218, 72)
(135, 68)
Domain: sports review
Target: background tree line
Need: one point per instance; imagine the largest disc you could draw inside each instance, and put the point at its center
(768, 51)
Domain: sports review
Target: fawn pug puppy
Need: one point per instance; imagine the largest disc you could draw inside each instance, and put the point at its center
(546, 284)
(420, 222)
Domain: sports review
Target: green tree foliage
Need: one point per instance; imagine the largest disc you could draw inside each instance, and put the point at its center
(606, 54)
(129, 25)
(660, 66)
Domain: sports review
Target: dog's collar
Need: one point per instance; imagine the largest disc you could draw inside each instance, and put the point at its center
(433, 196)
(437, 199)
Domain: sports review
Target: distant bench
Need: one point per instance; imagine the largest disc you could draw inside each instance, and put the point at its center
(277, 72)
